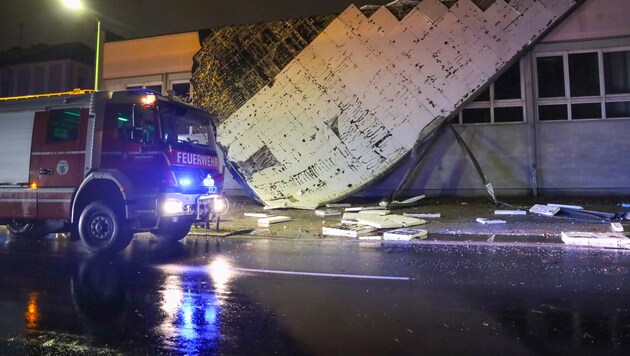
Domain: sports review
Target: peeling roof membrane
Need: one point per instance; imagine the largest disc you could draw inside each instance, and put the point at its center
(313, 110)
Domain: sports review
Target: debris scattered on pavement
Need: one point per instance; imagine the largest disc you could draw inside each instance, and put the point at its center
(350, 218)
(338, 205)
(391, 221)
(273, 220)
(565, 206)
(490, 221)
(423, 215)
(617, 227)
(510, 212)
(327, 212)
(544, 210)
(596, 239)
(362, 208)
(404, 234)
(259, 215)
(347, 230)
(374, 212)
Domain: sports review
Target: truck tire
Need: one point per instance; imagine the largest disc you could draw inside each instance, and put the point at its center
(102, 230)
(171, 231)
(23, 228)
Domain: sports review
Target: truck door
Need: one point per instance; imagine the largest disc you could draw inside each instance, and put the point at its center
(58, 159)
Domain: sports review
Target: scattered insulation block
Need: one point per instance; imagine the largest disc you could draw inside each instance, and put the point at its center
(404, 234)
(485, 221)
(327, 212)
(423, 215)
(347, 230)
(273, 220)
(510, 212)
(544, 210)
(596, 239)
(391, 221)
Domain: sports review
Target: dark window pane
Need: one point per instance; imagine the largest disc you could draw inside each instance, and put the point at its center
(130, 87)
(508, 86)
(484, 95)
(617, 72)
(584, 74)
(511, 114)
(552, 112)
(182, 90)
(616, 110)
(156, 88)
(550, 77)
(475, 116)
(586, 111)
(63, 125)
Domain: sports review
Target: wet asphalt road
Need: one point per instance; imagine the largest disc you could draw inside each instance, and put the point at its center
(323, 297)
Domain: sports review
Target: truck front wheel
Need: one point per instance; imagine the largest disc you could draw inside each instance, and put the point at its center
(102, 230)
(172, 231)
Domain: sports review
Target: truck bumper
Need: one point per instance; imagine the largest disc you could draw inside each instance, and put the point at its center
(191, 206)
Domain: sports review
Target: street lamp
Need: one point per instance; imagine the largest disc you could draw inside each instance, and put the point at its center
(78, 6)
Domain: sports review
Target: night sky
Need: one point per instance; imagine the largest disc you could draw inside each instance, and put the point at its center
(27, 22)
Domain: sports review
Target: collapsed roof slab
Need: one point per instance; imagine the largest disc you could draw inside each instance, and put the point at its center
(354, 101)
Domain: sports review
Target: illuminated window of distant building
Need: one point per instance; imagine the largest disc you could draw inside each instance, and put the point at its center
(501, 102)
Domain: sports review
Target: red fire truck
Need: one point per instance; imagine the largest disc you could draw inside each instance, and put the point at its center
(105, 165)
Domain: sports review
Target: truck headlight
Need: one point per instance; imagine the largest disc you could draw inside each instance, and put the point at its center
(220, 205)
(173, 206)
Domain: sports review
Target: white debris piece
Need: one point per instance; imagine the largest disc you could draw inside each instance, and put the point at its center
(544, 210)
(617, 227)
(338, 205)
(273, 220)
(325, 212)
(404, 234)
(510, 212)
(565, 206)
(391, 221)
(350, 218)
(362, 208)
(373, 212)
(259, 215)
(596, 239)
(490, 221)
(347, 230)
(423, 215)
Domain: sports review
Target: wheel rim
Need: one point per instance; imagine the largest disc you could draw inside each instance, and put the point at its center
(101, 228)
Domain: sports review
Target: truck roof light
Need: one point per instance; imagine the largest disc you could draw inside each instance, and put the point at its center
(149, 99)
(33, 185)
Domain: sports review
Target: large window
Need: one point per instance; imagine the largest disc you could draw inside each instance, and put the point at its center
(501, 102)
(583, 85)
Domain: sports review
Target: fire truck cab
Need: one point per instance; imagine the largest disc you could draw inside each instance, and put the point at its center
(105, 165)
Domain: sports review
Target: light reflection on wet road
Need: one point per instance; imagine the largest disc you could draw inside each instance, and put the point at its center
(261, 296)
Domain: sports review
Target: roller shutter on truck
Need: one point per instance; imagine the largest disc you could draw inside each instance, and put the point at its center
(16, 133)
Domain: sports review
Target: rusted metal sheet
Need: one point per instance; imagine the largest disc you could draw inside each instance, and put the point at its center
(355, 100)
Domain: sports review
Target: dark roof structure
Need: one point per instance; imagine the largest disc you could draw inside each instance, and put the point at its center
(43, 53)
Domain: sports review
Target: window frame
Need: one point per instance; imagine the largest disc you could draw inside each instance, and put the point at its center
(568, 100)
(493, 103)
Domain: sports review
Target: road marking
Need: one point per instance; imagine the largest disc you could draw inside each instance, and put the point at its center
(317, 274)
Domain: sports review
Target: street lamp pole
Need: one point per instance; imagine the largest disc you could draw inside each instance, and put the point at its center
(98, 53)
(78, 5)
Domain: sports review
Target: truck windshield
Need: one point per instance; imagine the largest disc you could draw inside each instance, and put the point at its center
(185, 125)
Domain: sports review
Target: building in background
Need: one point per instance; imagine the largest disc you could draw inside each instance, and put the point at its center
(45, 69)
